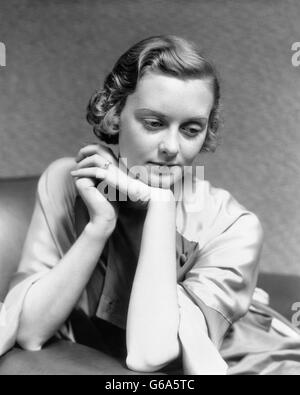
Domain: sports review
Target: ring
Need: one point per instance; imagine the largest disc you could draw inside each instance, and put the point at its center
(107, 164)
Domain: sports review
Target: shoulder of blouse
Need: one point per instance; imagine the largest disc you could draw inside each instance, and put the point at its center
(57, 193)
(60, 167)
(215, 211)
(56, 180)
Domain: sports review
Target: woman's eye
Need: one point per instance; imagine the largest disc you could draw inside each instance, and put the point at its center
(152, 124)
(192, 131)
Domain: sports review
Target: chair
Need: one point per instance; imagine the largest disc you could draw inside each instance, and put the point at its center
(17, 198)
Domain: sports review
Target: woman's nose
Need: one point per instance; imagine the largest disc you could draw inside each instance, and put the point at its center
(170, 145)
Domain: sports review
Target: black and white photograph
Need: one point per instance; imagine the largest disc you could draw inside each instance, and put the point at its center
(149, 190)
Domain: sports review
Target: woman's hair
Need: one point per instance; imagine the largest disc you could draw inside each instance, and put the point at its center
(170, 55)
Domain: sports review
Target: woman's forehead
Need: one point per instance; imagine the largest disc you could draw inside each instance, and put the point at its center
(168, 94)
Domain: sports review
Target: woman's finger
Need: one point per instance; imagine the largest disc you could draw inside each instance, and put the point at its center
(86, 151)
(83, 183)
(93, 161)
(117, 179)
(91, 172)
(93, 149)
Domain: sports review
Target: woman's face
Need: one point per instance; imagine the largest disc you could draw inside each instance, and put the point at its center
(165, 122)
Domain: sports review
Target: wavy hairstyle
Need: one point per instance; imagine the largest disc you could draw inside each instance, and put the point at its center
(168, 54)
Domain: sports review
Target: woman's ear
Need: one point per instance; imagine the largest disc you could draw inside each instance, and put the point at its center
(116, 123)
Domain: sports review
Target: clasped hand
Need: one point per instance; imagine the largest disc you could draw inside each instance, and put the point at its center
(91, 167)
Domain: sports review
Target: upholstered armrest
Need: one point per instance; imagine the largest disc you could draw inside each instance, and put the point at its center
(62, 358)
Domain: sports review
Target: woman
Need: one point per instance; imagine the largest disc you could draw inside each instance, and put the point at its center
(127, 251)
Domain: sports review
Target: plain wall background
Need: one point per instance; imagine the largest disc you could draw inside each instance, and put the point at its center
(58, 53)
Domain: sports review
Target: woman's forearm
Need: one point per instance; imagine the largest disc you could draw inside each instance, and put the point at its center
(153, 315)
(50, 300)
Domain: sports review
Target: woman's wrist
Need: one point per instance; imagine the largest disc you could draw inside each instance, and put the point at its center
(99, 229)
(160, 195)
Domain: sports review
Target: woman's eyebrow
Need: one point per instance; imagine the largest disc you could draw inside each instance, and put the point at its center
(147, 111)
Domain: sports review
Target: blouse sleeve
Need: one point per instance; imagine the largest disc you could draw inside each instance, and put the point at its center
(198, 352)
(218, 289)
(49, 236)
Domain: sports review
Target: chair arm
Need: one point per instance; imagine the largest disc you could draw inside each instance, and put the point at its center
(62, 358)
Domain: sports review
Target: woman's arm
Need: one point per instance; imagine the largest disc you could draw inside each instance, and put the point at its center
(50, 300)
(153, 315)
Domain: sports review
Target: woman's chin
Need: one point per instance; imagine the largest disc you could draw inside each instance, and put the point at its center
(154, 177)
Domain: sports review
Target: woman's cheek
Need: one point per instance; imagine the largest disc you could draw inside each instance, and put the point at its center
(193, 149)
(136, 134)
(201, 142)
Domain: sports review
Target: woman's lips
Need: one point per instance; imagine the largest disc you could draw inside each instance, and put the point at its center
(160, 168)
(161, 164)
